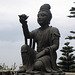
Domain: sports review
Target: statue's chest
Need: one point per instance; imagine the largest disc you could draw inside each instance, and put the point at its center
(42, 36)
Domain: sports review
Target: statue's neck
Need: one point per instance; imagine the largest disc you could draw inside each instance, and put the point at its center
(44, 27)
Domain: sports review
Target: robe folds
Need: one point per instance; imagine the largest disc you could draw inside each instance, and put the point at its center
(46, 41)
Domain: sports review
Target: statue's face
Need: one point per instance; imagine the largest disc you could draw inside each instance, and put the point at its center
(42, 18)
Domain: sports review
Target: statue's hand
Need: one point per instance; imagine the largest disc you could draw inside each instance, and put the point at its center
(42, 53)
(22, 21)
(22, 18)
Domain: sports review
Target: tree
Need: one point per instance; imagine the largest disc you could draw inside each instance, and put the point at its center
(71, 37)
(67, 60)
(72, 12)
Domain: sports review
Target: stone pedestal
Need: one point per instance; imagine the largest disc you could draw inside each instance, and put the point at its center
(41, 74)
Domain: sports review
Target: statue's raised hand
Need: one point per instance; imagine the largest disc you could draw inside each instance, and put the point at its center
(22, 18)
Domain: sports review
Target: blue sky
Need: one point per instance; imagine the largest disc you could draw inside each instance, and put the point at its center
(11, 35)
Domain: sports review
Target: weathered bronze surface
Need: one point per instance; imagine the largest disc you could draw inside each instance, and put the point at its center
(47, 39)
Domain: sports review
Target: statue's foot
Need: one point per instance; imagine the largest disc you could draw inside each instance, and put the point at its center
(49, 70)
(29, 70)
(57, 70)
(54, 71)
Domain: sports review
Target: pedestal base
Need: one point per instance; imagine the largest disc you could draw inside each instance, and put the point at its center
(41, 73)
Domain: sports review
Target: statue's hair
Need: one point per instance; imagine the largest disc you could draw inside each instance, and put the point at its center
(45, 7)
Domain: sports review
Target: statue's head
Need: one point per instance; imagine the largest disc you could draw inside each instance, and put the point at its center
(44, 15)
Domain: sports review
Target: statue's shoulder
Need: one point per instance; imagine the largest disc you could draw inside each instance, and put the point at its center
(35, 31)
(53, 29)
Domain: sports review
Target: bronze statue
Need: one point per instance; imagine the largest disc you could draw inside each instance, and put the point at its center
(47, 39)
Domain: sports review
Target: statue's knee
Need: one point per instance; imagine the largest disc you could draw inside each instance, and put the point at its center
(38, 65)
(24, 48)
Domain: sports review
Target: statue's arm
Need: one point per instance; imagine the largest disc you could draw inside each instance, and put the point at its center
(25, 30)
(55, 38)
(22, 19)
(49, 49)
(54, 46)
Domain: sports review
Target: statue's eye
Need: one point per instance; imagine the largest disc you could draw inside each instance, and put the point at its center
(43, 14)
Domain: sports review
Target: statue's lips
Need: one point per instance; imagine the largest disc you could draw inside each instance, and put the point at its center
(40, 20)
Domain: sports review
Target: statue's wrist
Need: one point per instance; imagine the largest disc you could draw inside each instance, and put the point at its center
(24, 23)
